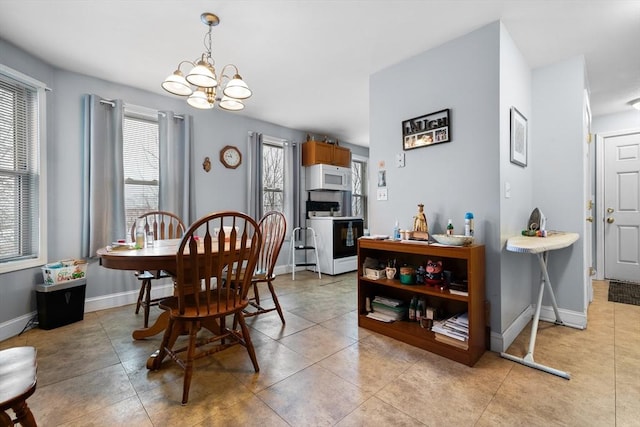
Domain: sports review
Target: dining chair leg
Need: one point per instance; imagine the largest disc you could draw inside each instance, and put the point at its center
(168, 339)
(24, 416)
(275, 301)
(256, 295)
(147, 303)
(188, 365)
(141, 295)
(248, 343)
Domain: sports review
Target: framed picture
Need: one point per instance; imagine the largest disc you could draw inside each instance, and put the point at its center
(382, 178)
(519, 138)
(426, 130)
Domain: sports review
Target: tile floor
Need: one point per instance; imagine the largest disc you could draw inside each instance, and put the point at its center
(321, 370)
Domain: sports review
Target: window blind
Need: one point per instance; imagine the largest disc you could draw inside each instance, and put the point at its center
(19, 171)
(141, 166)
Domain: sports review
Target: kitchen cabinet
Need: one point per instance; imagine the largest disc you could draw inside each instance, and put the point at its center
(317, 152)
(463, 262)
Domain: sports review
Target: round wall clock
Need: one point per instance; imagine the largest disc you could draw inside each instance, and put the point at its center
(230, 156)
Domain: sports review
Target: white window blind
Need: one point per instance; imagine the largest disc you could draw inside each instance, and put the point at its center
(141, 166)
(19, 172)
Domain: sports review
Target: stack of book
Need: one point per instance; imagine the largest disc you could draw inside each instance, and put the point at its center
(453, 331)
(459, 288)
(387, 309)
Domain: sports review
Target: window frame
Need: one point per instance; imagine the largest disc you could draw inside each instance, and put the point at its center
(280, 143)
(364, 197)
(40, 89)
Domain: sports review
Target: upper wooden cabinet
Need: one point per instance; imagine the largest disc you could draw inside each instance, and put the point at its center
(316, 152)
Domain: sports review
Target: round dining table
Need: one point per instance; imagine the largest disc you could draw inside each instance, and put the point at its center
(161, 256)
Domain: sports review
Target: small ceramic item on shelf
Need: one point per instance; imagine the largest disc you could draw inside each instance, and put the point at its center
(391, 273)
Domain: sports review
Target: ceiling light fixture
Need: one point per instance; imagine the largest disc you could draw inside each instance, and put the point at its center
(201, 83)
(635, 103)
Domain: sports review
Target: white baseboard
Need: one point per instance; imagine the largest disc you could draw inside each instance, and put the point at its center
(572, 319)
(124, 298)
(13, 327)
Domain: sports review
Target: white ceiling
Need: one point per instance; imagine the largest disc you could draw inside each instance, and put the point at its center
(308, 62)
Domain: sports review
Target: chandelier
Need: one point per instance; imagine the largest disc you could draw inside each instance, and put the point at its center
(201, 84)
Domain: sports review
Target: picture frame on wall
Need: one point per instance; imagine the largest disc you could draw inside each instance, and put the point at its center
(519, 138)
(426, 130)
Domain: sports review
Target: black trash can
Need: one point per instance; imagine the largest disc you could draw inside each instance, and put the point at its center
(60, 304)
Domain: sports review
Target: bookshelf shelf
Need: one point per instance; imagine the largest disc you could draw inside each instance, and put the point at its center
(468, 262)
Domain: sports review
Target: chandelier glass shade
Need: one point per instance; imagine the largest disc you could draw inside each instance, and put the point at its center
(201, 82)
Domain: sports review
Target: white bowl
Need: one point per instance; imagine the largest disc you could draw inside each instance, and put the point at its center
(453, 240)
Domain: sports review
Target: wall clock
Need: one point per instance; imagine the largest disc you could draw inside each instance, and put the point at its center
(230, 157)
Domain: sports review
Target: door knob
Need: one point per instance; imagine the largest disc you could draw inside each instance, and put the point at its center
(610, 220)
(609, 210)
(589, 219)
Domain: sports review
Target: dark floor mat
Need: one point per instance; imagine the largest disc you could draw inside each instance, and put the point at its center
(624, 292)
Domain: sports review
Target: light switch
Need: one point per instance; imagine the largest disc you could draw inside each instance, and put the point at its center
(400, 160)
(507, 190)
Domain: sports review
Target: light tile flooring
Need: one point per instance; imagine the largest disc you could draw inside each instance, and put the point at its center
(321, 369)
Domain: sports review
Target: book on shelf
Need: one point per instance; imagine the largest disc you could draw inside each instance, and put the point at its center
(459, 289)
(388, 301)
(452, 341)
(380, 317)
(397, 313)
(456, 327)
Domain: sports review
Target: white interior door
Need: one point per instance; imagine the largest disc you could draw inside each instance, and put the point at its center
(622, 206)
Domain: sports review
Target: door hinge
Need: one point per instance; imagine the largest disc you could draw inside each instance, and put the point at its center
(589, 137)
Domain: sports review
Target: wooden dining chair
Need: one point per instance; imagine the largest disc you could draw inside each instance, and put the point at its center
(214, 251)
(163, 225)
(18, 379)
(274, 229)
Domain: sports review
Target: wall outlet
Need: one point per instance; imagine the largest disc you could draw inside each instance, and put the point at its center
(400, 160)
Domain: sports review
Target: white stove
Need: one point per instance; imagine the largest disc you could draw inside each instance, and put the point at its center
(337, 242)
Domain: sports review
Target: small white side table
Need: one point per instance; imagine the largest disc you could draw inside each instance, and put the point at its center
(540, 246)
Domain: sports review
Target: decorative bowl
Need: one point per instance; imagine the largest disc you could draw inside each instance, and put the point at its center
(453, 240)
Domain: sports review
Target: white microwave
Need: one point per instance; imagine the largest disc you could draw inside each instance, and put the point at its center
(328, 177)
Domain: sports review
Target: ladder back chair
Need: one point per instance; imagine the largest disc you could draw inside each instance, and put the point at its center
(18, 369)
(213, 251)
(164, 225)
(273, 226)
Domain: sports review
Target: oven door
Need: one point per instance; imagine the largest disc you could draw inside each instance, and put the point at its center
(345, 237)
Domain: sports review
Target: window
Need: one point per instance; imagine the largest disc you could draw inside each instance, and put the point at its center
(272, 175)
(359, 189)
(141, 165)
(22, 184)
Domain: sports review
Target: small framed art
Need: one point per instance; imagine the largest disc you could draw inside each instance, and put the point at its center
(519, 138)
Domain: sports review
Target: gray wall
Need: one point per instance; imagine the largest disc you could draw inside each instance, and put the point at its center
(616, 122)
(479, 77)
(515, 91)
(220, 189)
(559, 160)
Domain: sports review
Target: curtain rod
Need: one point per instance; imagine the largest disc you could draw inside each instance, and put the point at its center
(175, 116)
(113, 104)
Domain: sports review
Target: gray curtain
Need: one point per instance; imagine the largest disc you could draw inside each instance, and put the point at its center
(346, 204)
(254, 169)
(176, 152)
(103, 216)
(292, 162)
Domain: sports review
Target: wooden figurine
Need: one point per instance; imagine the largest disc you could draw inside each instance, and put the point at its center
(420, 225)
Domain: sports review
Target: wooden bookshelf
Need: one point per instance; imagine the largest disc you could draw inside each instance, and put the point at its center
(464, 262)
